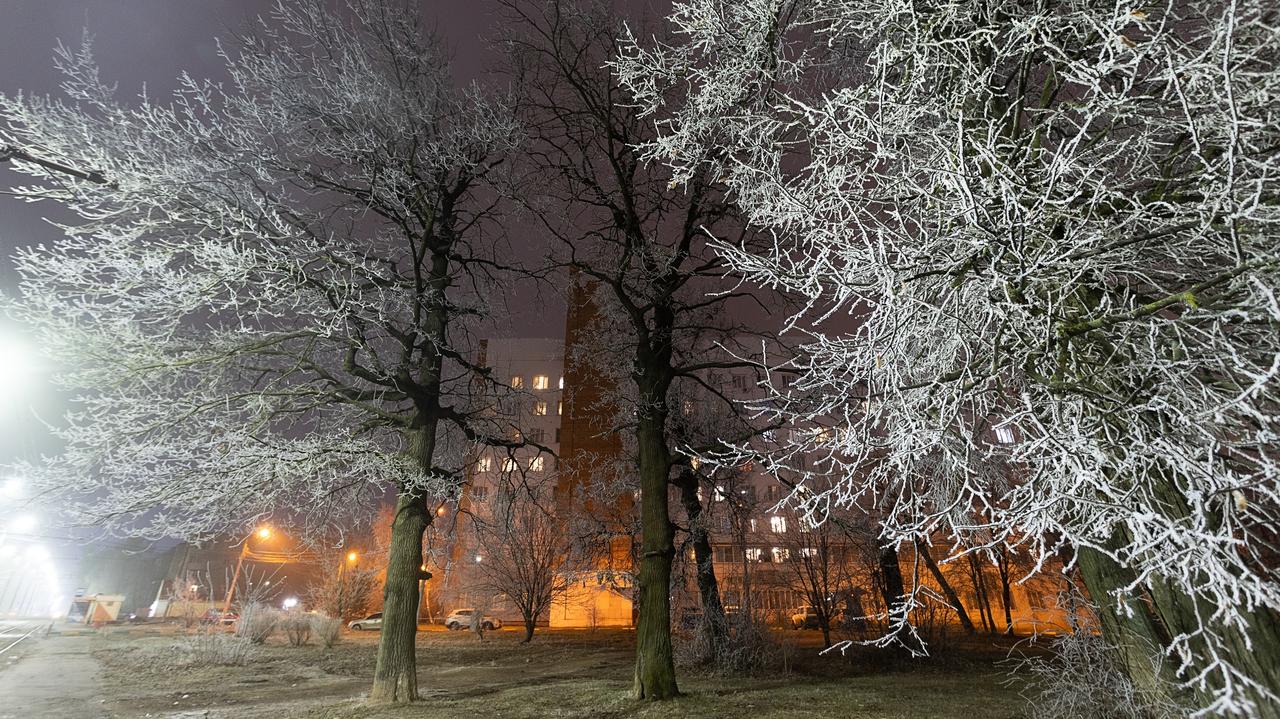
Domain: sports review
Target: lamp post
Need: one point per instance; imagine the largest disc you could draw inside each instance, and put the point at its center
(263, 533)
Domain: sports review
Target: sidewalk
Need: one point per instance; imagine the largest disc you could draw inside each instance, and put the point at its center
(56, 678)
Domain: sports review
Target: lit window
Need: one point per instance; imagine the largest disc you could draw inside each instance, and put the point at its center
(754, 554)
(559, 408)
(752, 523)
(484, 464)
(537, 464)
(517, 382)
(808, 552)
(778, 524)
(508, 465)
(1004, 435)
(687, 407)
(695, 463)
(540, 408)
(719, 495)
(781, 554)
(562, 382)
(540, 381)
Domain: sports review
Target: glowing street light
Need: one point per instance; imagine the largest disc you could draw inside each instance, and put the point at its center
(263, 533)
(12, 488)
(23, 524)
(16, 359)
(352, 557)
(290, 603)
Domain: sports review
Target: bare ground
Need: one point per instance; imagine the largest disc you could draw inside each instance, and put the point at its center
(569, 674)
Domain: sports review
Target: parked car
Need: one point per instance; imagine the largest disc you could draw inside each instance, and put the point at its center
(805, 617)
(461, 619)
(373, 621)
(213, 616)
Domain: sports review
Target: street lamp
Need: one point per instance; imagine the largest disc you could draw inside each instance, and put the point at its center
(12, 488)
(263, 533)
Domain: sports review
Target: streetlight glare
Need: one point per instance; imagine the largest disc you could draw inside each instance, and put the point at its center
(12, 488)
(352, 557)
(23, 524)
(264, 533)
(17, 359)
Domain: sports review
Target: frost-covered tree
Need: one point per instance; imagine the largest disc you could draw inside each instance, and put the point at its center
(1055, 222)
(528, 551)
(263, 303)
(638, 243)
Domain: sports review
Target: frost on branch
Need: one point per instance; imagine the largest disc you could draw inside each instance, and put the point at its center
(266, 302)
(1060, 220)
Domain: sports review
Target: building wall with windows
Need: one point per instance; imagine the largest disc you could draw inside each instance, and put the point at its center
(530, 372)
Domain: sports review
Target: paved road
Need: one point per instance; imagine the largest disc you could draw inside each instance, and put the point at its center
(54, 677)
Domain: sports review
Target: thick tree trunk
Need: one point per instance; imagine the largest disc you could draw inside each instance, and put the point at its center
(952, 598)
(894, 592)
(395, 679)
(708, 588)
(1127, 624)
(528, 629)
(1141, 637)
(655, 676)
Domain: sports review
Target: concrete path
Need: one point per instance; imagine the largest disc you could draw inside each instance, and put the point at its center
(55, 678)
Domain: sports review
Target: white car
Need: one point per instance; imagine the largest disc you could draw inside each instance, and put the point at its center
(461, 619)
(373, 621)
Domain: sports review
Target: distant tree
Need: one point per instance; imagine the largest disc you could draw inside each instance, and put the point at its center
(819, 559)
(263, 301)
(344, 589)
(1049, 221)
(528, 554)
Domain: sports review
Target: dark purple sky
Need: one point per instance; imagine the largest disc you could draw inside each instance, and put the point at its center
(150, 42)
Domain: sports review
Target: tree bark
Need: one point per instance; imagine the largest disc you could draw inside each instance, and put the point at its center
(395, 678)
(528, 629)
(708, 588)
(1006, 594)
(893, 590)
(1127, 625)
(655, 676)
(923, 550)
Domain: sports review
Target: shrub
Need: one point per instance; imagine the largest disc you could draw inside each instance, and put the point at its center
(206, 646)
(297, 627)
(750, 647)
(257, 622)
(328, 629)
(1082, 679)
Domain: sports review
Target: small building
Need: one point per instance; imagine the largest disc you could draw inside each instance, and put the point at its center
(95, 609)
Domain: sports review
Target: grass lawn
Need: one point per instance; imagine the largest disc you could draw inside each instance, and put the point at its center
(568, 674)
